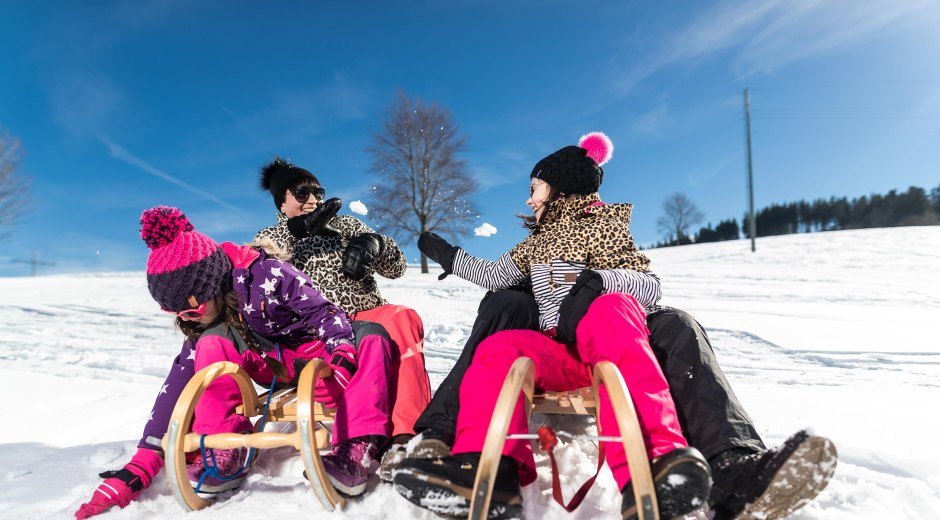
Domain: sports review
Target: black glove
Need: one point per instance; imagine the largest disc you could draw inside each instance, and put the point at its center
(585, 290)
(315, 222)
(361, 253)
(439, 250)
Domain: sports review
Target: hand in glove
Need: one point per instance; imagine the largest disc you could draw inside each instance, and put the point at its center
(315, 222)
(361, 253)
(585, 290)
(124, 485)
(329, 391)
(439, 250)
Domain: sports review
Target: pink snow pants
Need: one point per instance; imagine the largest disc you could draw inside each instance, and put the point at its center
(613, 329)
(411, 388)
(363, 410)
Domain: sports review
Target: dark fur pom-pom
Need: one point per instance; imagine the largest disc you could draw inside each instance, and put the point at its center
(268, 171)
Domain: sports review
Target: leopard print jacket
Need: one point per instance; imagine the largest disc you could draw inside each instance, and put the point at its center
(321, 258)
(578, 229)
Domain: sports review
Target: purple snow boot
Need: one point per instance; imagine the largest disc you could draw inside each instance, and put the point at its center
(228, 474)
(350, 463)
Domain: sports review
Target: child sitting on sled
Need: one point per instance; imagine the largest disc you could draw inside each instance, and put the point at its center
(234, 303)
(591, 285)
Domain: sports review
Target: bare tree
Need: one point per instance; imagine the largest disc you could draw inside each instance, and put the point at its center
(421, 183)
(680, 215)
(13, 186)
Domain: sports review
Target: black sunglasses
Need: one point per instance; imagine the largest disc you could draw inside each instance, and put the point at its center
(302, 194)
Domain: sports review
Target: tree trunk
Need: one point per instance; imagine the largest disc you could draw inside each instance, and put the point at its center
(424, 264)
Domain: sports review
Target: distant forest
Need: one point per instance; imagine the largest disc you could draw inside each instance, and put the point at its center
(914, 207)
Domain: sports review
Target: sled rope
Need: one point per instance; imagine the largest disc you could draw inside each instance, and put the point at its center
(547, 441)
(213, 468)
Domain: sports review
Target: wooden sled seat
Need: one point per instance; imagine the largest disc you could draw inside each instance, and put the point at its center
(283, 407)
(571, 402)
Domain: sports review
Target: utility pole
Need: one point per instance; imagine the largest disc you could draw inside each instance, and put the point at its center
(34, 263)
(751, 224)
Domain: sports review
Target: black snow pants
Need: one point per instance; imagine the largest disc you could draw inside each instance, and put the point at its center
(711, 417)
(500, 310)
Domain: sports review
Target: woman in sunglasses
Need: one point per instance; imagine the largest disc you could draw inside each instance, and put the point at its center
(236, 303)
(341, 254)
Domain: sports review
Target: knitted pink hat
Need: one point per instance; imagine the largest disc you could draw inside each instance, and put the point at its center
(185, 268)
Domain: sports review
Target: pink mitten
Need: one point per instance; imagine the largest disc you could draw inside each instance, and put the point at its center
(124, 485)
(343, 362)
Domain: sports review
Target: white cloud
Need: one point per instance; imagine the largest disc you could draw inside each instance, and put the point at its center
(358, 207)
(123, 155)
(768, 35)
(654, 122)
(486, 230)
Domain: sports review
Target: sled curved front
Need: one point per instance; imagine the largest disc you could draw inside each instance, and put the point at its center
(175, 442)
(521, 378)
(644, 493)
(310, 438)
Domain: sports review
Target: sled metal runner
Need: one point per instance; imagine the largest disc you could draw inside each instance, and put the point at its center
(521, 379)
(287, 405)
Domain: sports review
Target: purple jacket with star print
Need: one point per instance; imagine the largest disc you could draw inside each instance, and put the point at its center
(278, 302)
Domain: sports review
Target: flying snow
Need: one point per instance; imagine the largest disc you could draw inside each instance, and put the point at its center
(486, 230)
(358, 207)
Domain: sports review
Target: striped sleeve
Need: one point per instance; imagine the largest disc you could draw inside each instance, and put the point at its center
(645, 287)
(494, 276)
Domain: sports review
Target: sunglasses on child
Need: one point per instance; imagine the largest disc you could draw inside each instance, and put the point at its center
(196, 313)
(302, 194)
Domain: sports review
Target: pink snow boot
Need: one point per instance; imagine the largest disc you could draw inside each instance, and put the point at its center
(350, 463)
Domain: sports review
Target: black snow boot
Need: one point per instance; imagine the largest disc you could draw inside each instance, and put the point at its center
(774, 483)
(682, 482)
(444, 485)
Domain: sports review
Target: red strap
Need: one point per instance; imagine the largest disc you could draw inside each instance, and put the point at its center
(548, 440)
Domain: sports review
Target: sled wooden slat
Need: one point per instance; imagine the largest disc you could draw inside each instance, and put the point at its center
(283, 407)
(573, 402)
(644, 493)
(307, 433)
(521, 378)
(230, 441)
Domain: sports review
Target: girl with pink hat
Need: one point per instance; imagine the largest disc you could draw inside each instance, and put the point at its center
(235, 303)
(592, 287)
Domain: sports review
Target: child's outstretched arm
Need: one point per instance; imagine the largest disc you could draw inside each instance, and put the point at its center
(122, 486)
(501, 274)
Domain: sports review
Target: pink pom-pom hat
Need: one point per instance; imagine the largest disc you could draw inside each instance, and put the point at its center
(598, 146)
(185, 268)
(576, 170)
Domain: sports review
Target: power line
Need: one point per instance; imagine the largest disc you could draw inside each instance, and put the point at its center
(34, 263)
(864, 84)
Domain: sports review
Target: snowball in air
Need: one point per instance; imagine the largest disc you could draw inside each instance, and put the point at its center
(358, 207)
(486, 230)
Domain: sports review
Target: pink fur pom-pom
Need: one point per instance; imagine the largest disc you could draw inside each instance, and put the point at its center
(161, 224)
(599, 147)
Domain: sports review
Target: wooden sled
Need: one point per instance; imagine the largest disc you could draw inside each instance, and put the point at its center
(521, 378)
(294, 405)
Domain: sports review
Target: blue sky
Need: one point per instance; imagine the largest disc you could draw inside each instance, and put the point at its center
(121, 106)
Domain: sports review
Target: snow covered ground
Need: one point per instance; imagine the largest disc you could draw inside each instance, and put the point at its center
(832, 330)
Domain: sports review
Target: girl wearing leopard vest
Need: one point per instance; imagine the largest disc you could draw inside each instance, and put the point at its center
(592, 286)
(341, 254)
(235, 303)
